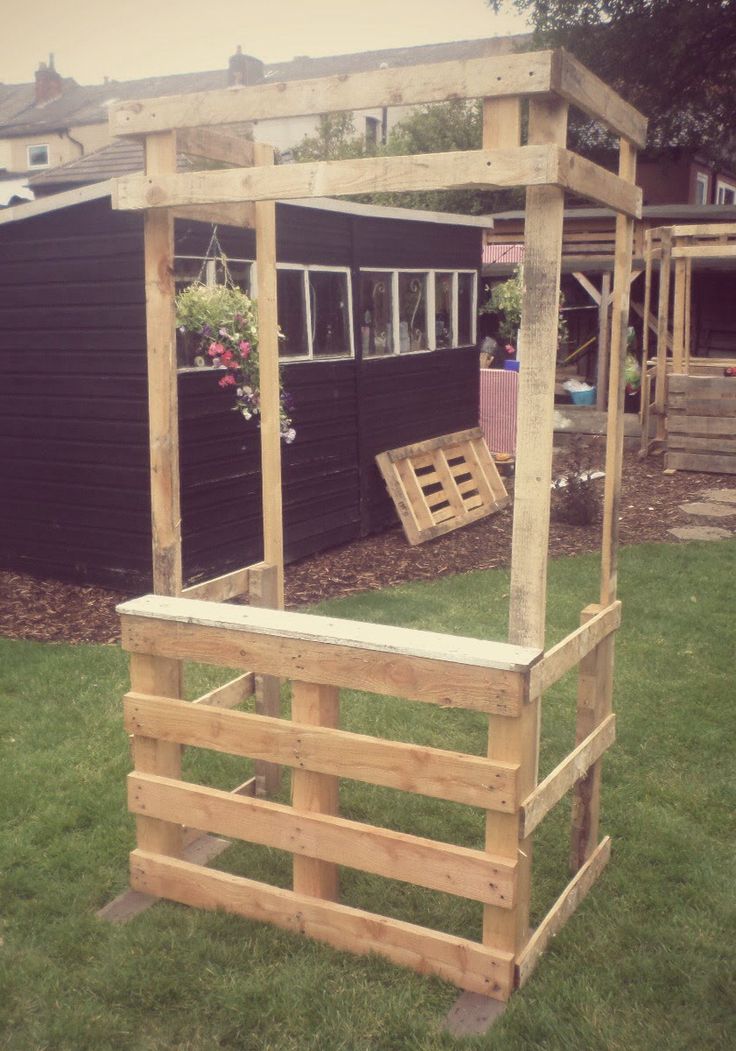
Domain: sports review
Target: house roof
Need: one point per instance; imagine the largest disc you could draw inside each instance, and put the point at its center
(88, 104)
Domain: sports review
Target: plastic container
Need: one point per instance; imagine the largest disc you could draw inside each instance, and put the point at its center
(583, 397)
(511, 365)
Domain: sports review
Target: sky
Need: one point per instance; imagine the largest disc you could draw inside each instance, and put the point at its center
(128, 39)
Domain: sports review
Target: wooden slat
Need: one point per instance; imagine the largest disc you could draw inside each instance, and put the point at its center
(722, 251)
(712, 443)
(315, 866)
(681, 424)
(433, 772)
(581, 176)
(576, 765)
(690, 230)
(220, 589)
(230, 694)
(242, 214)
(568, 653)
(464, 963)
(711, 463)
(601, 380)
(410, 471)
(318, 838)
(572, 81)
(264, 594)
(575, 892)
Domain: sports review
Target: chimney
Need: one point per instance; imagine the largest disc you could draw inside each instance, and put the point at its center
(243, 69)
(49, 85)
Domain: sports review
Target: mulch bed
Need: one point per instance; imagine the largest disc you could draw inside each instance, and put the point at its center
(49, 611)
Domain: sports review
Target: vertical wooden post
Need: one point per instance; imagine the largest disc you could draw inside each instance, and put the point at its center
(678, 316)
(646, 386)
(268, 356)
(603, 343)
(158, 676)
(665, 262)
(319, 706)
(163, 409)
(688, 314)
(516, 740)
(263, 592)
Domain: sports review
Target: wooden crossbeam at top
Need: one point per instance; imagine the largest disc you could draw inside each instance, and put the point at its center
(539, 165)
(532, 74)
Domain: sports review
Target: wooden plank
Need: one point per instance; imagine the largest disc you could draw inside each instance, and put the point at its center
(469, 779)
(583, 89)
(575, 892)
(615, 423)
(722, 251)
(264, 594)
(220, 589)
(504, 75)
(663, 309)
(535, 165)
(690, 230)
(209, 144)
(589, 287)
(568, 653)
(163, 410)
(457, 960)
(483, 169)
(310, 834)
(415, 451)
(269, 379)
(681, 424)
(152, 755)
(703, 386)
(576, 765)
(678, 315)
(713, 443)
(230, 694)
(719, 408)
(402, 503)
(708, 462)
(241, 214)
(316, 793)
(601, 382)
(595, 698)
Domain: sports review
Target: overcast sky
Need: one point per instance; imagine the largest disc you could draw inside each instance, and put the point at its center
(92, 39)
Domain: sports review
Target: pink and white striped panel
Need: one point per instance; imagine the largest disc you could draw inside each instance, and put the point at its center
(498, 389)
(503, 253)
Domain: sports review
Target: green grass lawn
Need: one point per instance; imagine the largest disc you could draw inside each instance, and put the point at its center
(649, 960)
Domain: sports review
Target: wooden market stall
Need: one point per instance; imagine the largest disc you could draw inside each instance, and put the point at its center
(504, 680)
(692, 400)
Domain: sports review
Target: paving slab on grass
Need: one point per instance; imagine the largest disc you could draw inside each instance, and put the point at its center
(709, 509)
(721, 496)
(703, 532)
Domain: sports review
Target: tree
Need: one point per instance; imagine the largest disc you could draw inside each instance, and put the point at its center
(334, 139)
(675, 60)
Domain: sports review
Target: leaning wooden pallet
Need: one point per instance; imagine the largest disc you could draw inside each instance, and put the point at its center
(321, 656)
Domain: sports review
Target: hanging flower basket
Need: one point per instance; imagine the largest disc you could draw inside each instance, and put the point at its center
(221, 321)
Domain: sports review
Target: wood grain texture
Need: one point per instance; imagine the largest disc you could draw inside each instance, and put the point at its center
(568, 653)
(464, 963)
(434, 772)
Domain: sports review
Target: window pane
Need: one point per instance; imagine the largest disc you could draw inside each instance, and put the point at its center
(328, 302)
(292, 319)
(443, 310)
(376, 313)
(412, 312)
(238, 271)
(465, 287)
(38, 156)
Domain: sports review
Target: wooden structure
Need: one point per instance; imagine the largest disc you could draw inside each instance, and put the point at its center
(691, 400)
(442, 484)
(505, 681)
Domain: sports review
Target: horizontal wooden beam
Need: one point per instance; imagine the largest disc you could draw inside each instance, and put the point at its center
(417, 665)
(460, 871)
(220, 589)
(464, 963)
(230, 694)
(568, 653)
(240, 215)
(703, 230)
(576, 765)
(502, 75)
(545, 165)
(469, 779)
(586, 91)
(575, 892)
(702, 251)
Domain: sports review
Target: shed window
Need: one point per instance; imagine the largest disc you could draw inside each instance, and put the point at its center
(38, 156)
(315, 312)
(702, 186)
(725, 193)
(405, 311)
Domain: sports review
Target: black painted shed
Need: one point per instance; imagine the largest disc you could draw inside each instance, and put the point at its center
(74, 471)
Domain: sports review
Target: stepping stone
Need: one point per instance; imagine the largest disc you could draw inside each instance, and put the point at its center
(722, 496)
(701, 533)
(709, 510)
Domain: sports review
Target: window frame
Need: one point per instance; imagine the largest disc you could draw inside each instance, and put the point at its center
(702, 179)
(431, 274)
(306, 269)
(38, 146)
(723, 186)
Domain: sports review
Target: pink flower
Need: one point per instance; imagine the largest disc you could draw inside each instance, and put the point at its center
(216, 349)
(244, 348)
(226, 381)
(227, 355)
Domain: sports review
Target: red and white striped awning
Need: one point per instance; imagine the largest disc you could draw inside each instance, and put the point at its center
(500, 253)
